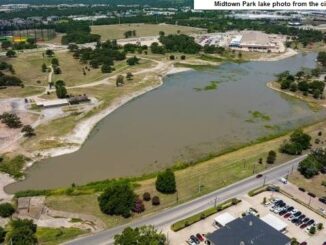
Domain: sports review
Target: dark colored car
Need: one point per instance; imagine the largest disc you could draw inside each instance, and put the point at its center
(299, 222)
(290, 209)
(303, 243)
(302, 216)
(282, 212)
(303, 226)
(305, 220)
(323, 200)
(294, 220)
(310, 222)
(287, 215)
(259, 176)
(194, 239)
(200, 237)
(297, 214)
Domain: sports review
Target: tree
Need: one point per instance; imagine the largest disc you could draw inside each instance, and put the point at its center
(11, 53)
(165, 182)
(6, 210)
(73, 47)
(11, 120)
(28, 131)
(172, 57)
(309, 167)
(44, 67)
(129, 76)
(316, 93)
(60, 89)
(133, 61)
(145, 235)
(5, 44)
(55, 62)
(271, 157)
(299, 137)
(49, 52)
(312, 230)
(293, 87)
(57, 70)
(118, 199)
(22, 232)
(183, 57)
(120, 81)
(2, 235)
(106, 68)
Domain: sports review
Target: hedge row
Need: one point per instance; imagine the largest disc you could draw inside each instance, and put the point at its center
(204, 214)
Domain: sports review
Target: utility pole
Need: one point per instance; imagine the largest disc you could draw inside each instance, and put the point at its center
(264, 180)
(177, 196)
(309, 201)
(199, 184)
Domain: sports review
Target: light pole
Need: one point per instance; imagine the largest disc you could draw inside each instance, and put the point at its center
(264, 180)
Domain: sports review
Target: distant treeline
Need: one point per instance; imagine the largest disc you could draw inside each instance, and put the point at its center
(161, 3)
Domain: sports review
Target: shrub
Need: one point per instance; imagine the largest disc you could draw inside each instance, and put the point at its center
(312, 230)
(165, 182)
(271, 157)
(183, 57)
(146, 196)
(320, 226)
(156, 201)
(6, 210)
(139, 206)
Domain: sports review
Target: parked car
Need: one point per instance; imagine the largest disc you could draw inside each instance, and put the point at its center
(303, 243)
(284, 180)
(287, 215)
(310, 222)
(192, 237)
(191, 242)
(259, 176)
(200, 237)
(322, 199)
(305, 220)
(303, 226)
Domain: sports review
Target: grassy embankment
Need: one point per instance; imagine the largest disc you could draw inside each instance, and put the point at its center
(142, 30)
(54, 236)
(211, 174)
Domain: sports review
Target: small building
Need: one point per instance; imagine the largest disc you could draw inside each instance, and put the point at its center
(249, 230)
(223, 219)
(52, 103)
(274, 222)
(236, 41)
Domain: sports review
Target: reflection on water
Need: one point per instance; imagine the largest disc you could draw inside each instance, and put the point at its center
(176, 122)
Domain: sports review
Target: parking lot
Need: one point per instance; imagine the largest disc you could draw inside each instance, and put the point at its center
(292, 230)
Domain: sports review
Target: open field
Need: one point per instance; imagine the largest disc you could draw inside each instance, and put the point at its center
(313, 185)
(53, 236)
(117, 31)
(192, 181)
(20, 92)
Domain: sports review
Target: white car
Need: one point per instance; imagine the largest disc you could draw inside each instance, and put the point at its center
(191, 242)
(284, 180)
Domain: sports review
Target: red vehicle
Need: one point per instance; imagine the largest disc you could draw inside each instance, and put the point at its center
(303, 243)
(200, 237)
(287, 215)
(303, 226)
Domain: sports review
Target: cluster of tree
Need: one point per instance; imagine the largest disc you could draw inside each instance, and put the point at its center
(55, 66)
(180, 43)
(298, 142)
(303, 82)
(212, 49)
(314, 163)
(60, 89)
(103, 55)
(6, 210)
(28, 131)
(118, 199)
(21, 232)
(29, 44)
(4, 66)
(11, 53)
(133, 61)
(145, 235)
(129, 34)
(11, 120)
(132, 48)
(165, 182)
(77, 32)
(322, 58)
(156, 48)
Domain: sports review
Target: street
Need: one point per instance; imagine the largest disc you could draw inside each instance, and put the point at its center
(171, 215)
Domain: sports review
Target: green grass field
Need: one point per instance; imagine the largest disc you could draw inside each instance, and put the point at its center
(109, 32)
(53, 236)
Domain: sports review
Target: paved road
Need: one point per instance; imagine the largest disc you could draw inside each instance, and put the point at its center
(171, 215)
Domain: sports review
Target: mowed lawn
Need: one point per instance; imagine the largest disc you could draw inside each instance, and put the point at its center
(109, 32)
(28, 68)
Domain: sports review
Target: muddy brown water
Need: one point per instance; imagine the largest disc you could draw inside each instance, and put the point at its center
(175, 122)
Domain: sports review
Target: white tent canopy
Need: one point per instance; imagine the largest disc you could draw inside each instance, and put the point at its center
(274, 222)
(223, 219)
